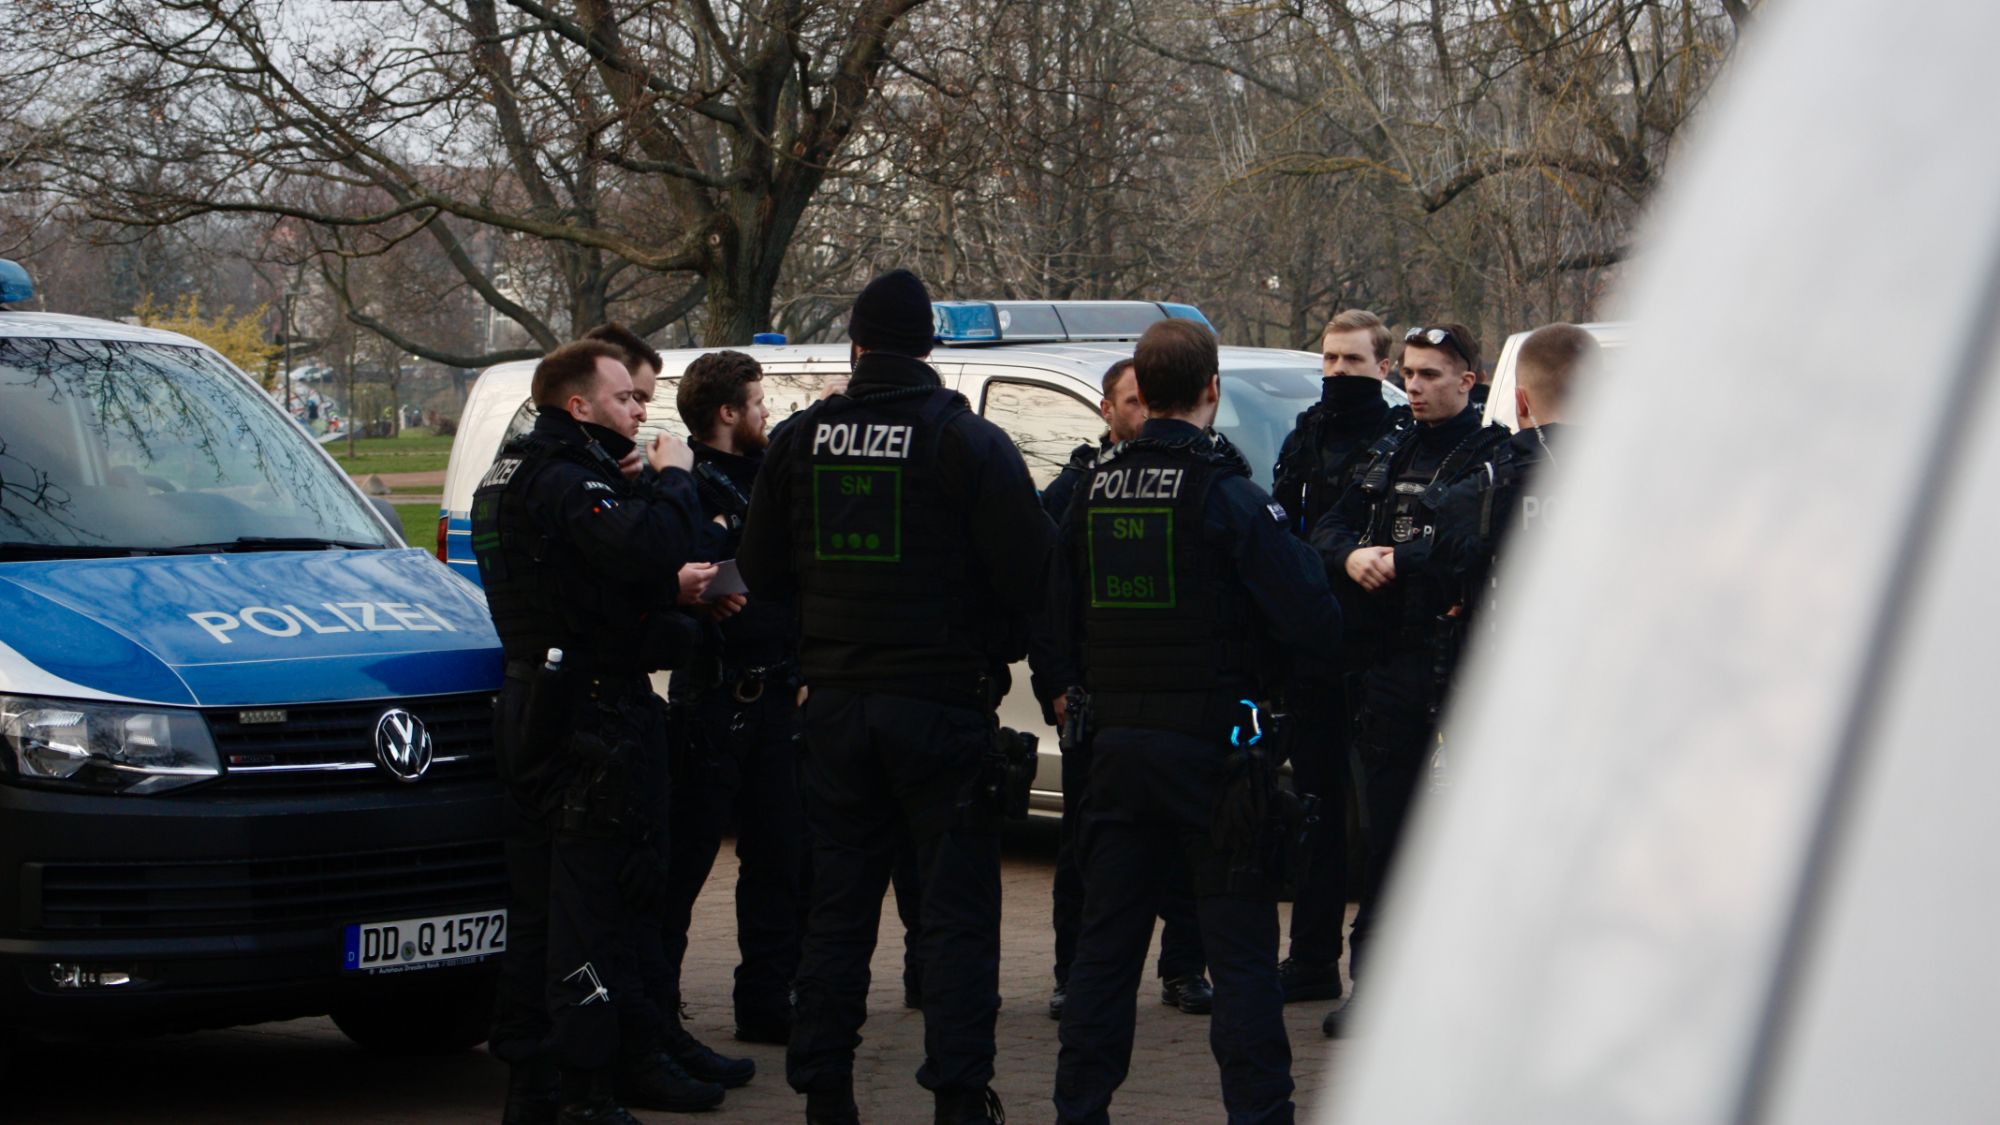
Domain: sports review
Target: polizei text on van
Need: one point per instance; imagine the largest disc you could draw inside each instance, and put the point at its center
(326, 617)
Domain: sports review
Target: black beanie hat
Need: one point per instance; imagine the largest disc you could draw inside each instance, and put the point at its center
(893, 314)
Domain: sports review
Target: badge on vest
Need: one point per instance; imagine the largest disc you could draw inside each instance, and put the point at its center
(858, 513)
(1132, 558)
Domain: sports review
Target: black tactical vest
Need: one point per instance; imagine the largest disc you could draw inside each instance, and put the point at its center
(516, 556)
(1325, 460)
(1402, 498)
(879, 541)
(1166, 624)
(538, 590)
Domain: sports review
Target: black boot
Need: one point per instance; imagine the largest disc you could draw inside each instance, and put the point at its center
(654, 1080)
(587, 1100)
(1339, 1023)
(1304, 980)
(534, 1096)
(1191, 994)
(832, 1107)
(705, 1065)
(961, 1106)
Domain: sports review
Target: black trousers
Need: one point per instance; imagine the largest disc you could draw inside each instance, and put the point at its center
(736, 766)
(1393, 739)
(520, 1035)
(880, 770)
(906, 881)
(1151, 794)
(1316, 740)
(1180, 939)
(571, 990)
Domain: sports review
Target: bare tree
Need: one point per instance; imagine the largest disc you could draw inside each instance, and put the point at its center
(652, 156)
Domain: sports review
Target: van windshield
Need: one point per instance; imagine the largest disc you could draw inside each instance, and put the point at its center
(113, 447)
(1258, 408)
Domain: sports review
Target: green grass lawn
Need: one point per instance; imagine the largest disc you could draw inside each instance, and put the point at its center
(416, 451)
(420, 524)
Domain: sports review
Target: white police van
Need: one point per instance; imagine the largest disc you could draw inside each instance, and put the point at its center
(1610, 337)
(245, 733)
(1033, 368)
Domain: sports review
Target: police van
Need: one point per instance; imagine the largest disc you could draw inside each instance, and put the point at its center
(1033, 368)
(245, 732)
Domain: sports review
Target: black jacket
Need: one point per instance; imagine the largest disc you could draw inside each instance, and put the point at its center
(571, 552)
(762, 634)
(1283, 580)
(1479, 513)
(1433, 455)
(1006, 535)
(1317, 456)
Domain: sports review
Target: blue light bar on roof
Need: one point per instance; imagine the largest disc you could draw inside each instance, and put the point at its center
(769, 339)
(1187, 312)
(14, 284)
(998, 322)
(962, 321)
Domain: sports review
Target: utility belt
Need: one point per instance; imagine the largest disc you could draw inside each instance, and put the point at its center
(577, 683)
(748, 683)
(976, 692)
(1226, 718)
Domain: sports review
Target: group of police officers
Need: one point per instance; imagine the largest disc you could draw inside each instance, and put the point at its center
(846, 594)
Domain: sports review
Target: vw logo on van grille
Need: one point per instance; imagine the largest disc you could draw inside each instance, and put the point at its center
(402, 744)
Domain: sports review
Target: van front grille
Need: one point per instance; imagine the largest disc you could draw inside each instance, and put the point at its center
(332, 745)
(271, 893)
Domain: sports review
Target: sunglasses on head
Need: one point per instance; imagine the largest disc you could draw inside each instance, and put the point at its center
(1438, 338)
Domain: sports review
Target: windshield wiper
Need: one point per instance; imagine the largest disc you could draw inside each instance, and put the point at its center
(267, 543)
(66, 551)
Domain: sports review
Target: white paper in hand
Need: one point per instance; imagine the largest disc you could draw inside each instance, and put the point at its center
(728, 580)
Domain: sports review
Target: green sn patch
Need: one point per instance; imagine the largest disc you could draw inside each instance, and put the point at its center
(858, 513)
(1132, 558)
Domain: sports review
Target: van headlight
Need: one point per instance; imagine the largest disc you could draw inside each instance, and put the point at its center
(104, 748)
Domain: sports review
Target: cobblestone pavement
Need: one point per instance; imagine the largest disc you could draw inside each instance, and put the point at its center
(305, 1071)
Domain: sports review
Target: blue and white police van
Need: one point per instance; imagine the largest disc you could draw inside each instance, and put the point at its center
(245, 732)
(1033, 368)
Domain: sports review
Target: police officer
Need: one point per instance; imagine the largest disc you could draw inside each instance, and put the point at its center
(692, 828)
(566, 547)
(907, 530)
(1479, 513)
(1180, 967)
(1175, 584)
(1314, 466)
(1379, 537)
(741, 721)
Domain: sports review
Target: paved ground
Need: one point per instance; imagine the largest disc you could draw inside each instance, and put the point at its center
(304, 1071)
(422, 488)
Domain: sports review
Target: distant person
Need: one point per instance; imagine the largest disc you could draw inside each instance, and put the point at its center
(567, 549)
(1181, 966)
(689, 828)
(906, 528)
(1315, 466)
(742, 718)
(1478, 514)
(1175, 589)
(1377, 541)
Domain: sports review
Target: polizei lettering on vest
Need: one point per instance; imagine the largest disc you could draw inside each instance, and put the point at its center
(852, 439)
(1137, 484)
